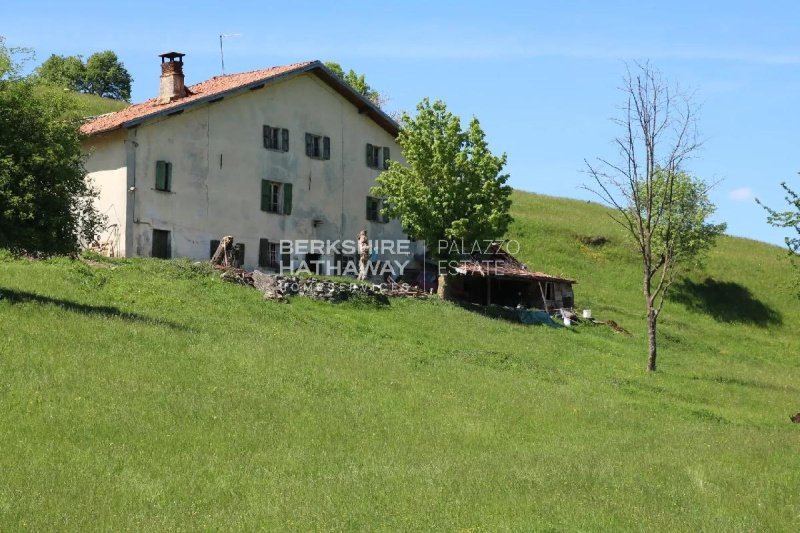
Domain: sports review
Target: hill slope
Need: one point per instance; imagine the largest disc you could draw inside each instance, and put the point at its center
(87, 105)
(152, 395)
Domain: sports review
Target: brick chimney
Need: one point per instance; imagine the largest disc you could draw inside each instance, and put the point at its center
(172, 87)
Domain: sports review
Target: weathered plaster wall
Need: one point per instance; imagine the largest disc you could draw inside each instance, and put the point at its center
(106, 168)
(218, 162)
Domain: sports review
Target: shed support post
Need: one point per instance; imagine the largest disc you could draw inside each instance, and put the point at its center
(544, 300)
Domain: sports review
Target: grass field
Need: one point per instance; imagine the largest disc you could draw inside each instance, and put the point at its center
(87, 105)
(150, 395)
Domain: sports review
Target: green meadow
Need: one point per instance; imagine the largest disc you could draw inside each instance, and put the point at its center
(141, 394)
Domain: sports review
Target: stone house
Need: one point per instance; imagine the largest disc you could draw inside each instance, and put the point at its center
(288, 152)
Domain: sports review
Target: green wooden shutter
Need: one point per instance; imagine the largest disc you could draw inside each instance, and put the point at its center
(370, 210)
(267, 136)
(369, 154)
(285, 140)
(263, 252)
(287, 198)
(276, 139)
(326, 148)
(264, 195)
(161, 175)
(309, 145)
(382, 205)
(168, 177)
(385, 158)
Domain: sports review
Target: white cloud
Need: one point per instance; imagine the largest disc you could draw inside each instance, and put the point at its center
(742, 194)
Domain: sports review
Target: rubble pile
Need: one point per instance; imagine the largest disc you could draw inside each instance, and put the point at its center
(279, 287)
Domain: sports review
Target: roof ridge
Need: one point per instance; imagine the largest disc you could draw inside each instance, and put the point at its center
(218, 87)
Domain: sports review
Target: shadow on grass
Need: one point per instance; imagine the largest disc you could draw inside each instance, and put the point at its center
(17, 297)
(724, 301)
(509, 314)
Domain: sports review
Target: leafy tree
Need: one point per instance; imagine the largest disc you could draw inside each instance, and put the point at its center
(357, 82)
(788, 219)
(661, 207)
(107, 76)
(63, 71)
(451, 188)
(45, 203)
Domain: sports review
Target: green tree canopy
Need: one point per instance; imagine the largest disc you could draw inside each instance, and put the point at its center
(63, 71)
(357, 82)
(103, 74)
(107, 76)
(452, 187)
(45, 203)
(682, 234)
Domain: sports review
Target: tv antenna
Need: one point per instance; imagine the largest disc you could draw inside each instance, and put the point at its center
(222, 55)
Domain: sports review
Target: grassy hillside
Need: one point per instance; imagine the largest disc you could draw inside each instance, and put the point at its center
(88, 105)
(141, 394)
(97, 105)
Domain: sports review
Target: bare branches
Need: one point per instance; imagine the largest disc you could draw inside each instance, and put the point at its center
(658, 134)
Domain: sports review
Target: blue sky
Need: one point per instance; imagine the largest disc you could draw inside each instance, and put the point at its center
(542, 77)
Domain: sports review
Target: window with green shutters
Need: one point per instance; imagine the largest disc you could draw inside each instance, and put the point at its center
(276, 197)
(377, 157)
(276, 138)
(374, 208)
(268, 254)
(318, 146)
(163, 176)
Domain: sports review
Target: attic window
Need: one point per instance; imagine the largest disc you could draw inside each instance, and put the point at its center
(318, 146)
(377, 157)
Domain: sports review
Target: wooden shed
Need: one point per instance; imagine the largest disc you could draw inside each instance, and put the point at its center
(497, 277)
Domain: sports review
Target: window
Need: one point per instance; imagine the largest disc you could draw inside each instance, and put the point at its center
(374, 208)
(162, 246)
(276, 138)
(276, 197)
(163, 176)
(377, 157)
(317, 146)
(268, 254)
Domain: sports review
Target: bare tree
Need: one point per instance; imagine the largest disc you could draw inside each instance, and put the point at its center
(663, 209)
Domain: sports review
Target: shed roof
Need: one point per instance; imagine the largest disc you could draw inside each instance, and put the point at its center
(219, 87)
(500, 263)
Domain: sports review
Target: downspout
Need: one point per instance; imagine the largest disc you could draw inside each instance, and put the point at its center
(130, 204)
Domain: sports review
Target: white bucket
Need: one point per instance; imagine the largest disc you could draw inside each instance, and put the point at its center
(587, 313)
(567, 321)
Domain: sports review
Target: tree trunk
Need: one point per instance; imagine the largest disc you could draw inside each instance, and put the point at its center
(651, 338)
(444, 288)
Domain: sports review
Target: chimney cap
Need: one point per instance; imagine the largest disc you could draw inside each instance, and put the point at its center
(172, 56)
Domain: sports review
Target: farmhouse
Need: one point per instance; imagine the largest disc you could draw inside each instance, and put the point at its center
(288, 152)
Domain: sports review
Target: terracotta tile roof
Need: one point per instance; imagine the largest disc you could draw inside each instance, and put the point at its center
(200, 92)
(490, 268)
(498, 262)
